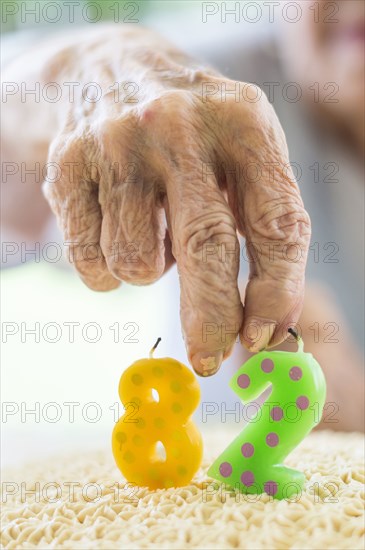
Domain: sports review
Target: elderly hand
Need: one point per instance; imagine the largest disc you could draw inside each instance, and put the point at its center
(175, 150)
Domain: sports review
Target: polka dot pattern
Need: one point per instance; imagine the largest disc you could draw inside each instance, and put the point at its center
(181, 470)
(129, 457)
(136, 401)
(158, 372)
(247, 450)
(255, 460)
(276, 413)
(121, 437)
(272, 439)
(243, 381)
(267, 365)
(247, 478)
(302, 402)
(225, 469)
(159, 435)
(159, 423)
(175, 386)
(176, 407)
(295, 373)
(271, 488)
(137, 379)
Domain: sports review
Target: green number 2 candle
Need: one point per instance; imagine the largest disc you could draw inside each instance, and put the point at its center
(253, 462)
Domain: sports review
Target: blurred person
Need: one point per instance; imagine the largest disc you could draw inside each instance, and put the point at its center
(157, 196)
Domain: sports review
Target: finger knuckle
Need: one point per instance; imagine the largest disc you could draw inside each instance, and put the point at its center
(255, 98)
(171, 106)
(258, 111)
(66, 148)
(262, 98)
(282, 220)
(109, 129)
(217, 229)
(115, 138)
(64, 155)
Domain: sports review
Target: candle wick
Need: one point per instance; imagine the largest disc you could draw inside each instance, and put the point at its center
(293, 333)
(154, 347)
(298, 339)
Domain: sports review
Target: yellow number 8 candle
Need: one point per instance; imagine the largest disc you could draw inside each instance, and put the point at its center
(162, 416)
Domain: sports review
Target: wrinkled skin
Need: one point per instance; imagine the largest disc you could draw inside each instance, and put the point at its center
(160, 147)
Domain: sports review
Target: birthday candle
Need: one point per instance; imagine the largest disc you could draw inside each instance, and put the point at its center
(166, 419)
(253, 461)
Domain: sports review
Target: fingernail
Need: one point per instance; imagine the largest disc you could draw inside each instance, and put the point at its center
(206, 364)
(258, 333)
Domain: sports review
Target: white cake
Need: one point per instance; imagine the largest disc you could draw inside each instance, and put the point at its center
(328, 515)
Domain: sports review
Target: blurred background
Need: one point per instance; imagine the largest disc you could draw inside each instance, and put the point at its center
(64, 346)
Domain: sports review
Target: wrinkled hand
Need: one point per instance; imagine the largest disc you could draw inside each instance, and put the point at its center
(181, 154)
